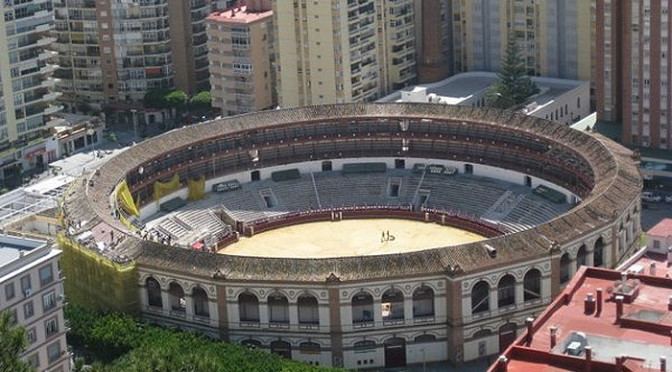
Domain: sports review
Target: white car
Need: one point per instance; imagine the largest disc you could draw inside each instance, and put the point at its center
(648, 196)
(668, 199)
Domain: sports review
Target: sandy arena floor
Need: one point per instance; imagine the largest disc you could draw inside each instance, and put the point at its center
(349, 238)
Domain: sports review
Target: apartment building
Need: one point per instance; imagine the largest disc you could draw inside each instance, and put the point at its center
(343, 50)
(31, 291)
(111, 53)
(434, 36)
(26, 96)
(240, 49)
(635, 86)
(554, 36)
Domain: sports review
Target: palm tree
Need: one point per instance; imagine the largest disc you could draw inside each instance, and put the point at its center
(12, 343)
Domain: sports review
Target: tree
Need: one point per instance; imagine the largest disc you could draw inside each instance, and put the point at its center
(12, 343)
(176, 99)
(201, 102)
(513, 86)
(156, 98)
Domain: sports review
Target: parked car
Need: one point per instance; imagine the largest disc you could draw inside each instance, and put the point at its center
(650, 197)
(668, 199)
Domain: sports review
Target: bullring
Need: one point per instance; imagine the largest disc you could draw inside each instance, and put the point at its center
(546, 197)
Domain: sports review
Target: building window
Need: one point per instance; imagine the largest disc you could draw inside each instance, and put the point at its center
(532, 285)
(9, 291)
(46, 275)
(51, 327)
(34, 360)
(54, 351)
(28, 310)
(656, 244)
(13, 317)
(26, 285)
(31, 335)
(49, 301)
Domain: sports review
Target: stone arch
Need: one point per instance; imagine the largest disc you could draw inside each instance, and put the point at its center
(480, 293)
(506, 291)
(532, 285)
(177, 297)
(154, 297)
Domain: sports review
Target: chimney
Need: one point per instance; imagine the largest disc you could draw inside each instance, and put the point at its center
(670, 338)
(669, 303)
(599, 302)
(589, 304)
(502, 362)
(619, 308)
(663, 364)
(669, 256)
(652, 269)
(554, 335)
(589, 357)
(528, 323)
(619, 363)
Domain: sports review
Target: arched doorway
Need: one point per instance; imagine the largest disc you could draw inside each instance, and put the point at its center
(282, 348)
(395, 353)
(507, 334)
(598, 253)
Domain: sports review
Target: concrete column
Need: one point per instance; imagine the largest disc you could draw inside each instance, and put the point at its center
(189, 306)
(572, 268)
(263, 313)
(492, 299)
(293, 315)
(335, 327)
(590, 258)
(165, 301)
(408, 309)
(214, 314)
(520, 292)
(143, 297)
(377, 312)
(546, 286)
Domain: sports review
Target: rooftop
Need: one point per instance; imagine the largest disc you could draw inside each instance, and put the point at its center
(465, 88)
(591, 331)
(663, 228)
(13, 249)
(239, 15)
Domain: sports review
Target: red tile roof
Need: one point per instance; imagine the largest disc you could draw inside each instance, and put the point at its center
(663, 228)
(645, 321)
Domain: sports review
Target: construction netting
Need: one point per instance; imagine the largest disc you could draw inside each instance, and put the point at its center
(162, 189)
(96, 282)
(126, 199)
(196, 188)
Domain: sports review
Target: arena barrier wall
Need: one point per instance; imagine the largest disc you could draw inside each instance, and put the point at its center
(96, 282)
(434, 216)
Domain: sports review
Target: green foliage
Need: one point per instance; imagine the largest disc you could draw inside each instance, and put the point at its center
(12, 343)
(201, 101)
(117, 342)
(513, 87)
(176, 99)
(156, 98)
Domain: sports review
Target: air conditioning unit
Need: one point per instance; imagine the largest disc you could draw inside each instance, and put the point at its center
(27, 292)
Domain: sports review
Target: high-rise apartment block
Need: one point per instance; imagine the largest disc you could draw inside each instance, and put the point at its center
(633, 57)
(26, 97)
(343, 50)
(111, 53)
(31, 290)
(554, 36)
(240, 43)
(434, 47)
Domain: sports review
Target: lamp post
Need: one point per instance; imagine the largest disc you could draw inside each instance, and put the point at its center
(135, 123)
(90, 132)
